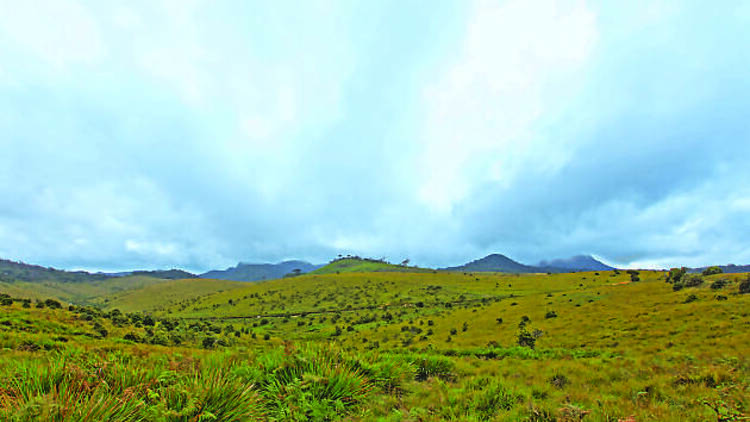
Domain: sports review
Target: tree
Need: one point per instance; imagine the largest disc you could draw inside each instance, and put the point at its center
(675, 274)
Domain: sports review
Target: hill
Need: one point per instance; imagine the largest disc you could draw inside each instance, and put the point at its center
(80, 293)
(577, 263)
(496, 263)
(173, 274)
(20, 271)
(359, 265)
(159, 296)
(728, 269)
(258, 272)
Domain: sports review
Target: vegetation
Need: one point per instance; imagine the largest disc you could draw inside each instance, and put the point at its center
(386, 345)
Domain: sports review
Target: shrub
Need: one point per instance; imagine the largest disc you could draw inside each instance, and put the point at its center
(132, 337)
(559, 381)
(675, 274)
(712, 271)
(691, 298)
(52, 304)
(526, 338)
(99, 328)
(550, 314)
(745, 286)
(209, 342)
(719, 284)
(693, 280)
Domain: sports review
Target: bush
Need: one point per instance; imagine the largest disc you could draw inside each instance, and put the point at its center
(99, 328)
(526, 338)
(559, 381)
(550, 314)
(52, 304)
(132, 337)
(690, 280)
(712, 271)
(675, 274)
(693, 280)
(209, 342)
(719, 284)
(745, 286)
(691, 298)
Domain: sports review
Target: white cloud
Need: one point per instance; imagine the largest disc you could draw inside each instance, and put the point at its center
(57, 31)
(517, 56)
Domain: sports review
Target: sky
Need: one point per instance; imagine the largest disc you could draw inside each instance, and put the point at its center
(191, 134)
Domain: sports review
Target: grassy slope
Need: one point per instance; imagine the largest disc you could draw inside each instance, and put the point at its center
(615, 349)
(636, 336)
(159, 296)
(91, 292)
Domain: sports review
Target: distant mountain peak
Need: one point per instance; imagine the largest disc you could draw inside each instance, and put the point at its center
(577, 263)
(494, 262)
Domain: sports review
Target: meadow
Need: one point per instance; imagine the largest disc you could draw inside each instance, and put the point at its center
(387, 344)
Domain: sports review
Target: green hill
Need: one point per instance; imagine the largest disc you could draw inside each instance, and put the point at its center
(81, 293)
(361, 265)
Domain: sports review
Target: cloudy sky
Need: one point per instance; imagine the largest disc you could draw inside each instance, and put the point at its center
(197, 134)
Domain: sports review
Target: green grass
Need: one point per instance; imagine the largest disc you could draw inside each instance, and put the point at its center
(161, 295)
(390, 346)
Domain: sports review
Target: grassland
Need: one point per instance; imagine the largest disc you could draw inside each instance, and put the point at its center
(89, 292)
(391, 346)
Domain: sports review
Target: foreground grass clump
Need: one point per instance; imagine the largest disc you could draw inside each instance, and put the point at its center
(306, 383)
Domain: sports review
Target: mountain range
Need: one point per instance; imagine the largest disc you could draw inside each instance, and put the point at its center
(257, 272)
(501, 263)
(19, 271)
(577, 263)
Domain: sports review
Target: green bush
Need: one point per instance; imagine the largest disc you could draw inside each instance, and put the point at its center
(712, 271)
(745, 286)
(675, 274)
(719, 284)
